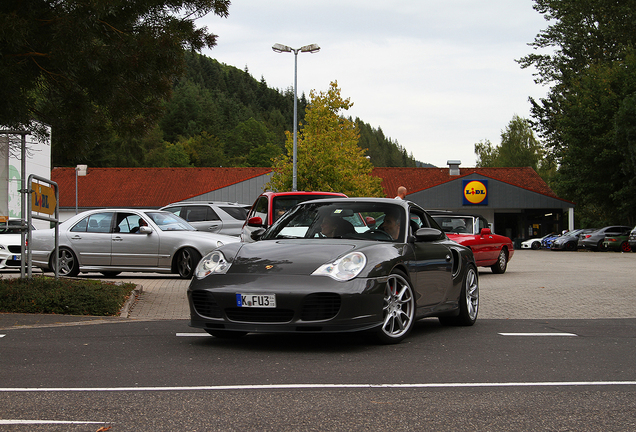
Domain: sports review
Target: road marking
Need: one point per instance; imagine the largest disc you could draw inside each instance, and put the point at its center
(201, 334)
(538, 334)
(320, 386)
(192, 334)
(1, 336)
(15, 422)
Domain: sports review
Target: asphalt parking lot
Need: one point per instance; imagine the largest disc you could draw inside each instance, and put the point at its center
(539, 284)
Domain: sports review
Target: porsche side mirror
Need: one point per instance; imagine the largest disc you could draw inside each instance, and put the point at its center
(255, 221)
(428, 234)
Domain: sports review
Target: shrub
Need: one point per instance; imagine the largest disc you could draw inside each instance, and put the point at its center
(43, 294)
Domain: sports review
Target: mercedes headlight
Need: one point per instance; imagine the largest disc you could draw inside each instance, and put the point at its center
(214, 262)
(343, 269)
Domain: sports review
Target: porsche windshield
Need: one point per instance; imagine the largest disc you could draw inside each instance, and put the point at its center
(357, 220)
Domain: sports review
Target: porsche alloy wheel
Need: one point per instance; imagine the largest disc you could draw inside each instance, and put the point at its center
(187, 260)
(502, 262)
(398, 309)
(468, 301)
(469, 307)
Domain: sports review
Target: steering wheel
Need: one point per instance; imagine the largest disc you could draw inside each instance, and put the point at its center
(384, 233)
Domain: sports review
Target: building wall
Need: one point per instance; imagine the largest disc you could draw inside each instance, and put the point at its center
(501, 195)
(503, 198)
(243, 193)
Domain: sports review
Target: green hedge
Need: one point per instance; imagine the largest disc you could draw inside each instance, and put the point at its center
(44, 294)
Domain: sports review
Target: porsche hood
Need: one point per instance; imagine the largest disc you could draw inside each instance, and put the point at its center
(285, 256)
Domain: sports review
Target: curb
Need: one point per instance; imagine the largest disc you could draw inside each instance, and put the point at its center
(128, 304)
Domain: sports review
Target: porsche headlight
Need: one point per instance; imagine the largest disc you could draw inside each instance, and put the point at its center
(214, 262)
(343, 269)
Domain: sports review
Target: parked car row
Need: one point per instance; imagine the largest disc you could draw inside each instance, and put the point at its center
(570, 240)
(619, 238)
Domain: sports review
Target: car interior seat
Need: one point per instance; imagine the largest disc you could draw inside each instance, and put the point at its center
(344, 227)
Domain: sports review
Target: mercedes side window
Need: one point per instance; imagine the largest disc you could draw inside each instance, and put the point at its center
(129, 223)
(96, 223)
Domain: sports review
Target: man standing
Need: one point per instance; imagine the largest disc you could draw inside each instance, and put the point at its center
(401, 193)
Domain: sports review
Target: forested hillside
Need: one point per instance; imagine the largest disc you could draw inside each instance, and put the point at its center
(221, 116)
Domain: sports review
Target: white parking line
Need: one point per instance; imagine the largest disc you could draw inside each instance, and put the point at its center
(192, 334)
(321, 386)
(15, 422)
(538, 334)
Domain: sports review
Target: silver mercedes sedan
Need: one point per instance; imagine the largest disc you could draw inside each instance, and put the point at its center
(111, 241)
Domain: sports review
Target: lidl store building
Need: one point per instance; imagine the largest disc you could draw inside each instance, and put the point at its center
(516, 201)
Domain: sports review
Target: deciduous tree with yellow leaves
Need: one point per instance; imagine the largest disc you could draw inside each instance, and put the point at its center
(329, 158)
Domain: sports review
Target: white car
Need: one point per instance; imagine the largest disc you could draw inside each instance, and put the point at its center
(534, 243)
(10, 244)
(111, 241)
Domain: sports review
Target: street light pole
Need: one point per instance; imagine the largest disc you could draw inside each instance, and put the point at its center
(313, 48)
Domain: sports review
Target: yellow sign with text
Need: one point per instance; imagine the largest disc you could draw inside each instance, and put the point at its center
(475, 192)
(43, 199)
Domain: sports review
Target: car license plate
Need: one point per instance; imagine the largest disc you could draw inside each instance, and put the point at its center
(17, 257)
(256, 300)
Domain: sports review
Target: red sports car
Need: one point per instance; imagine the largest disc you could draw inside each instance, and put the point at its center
(490, 249)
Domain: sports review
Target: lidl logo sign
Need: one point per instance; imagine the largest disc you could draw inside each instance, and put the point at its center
(43, 199)
(475, 192)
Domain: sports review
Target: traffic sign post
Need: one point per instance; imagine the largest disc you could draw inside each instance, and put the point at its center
(44, 199)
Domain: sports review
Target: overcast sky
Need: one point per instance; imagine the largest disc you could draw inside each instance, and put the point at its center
(435, 76)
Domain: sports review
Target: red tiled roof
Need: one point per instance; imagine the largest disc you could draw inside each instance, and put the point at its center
(418, 179)
(144, 187)
(156, 187)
